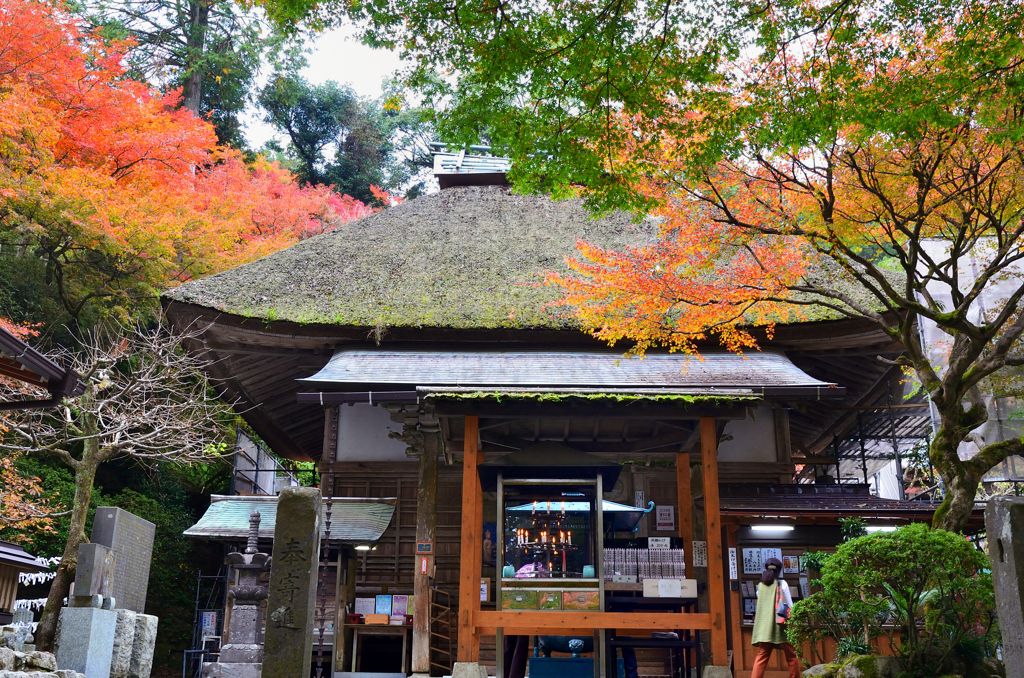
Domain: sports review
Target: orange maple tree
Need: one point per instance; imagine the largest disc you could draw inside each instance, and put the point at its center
(699, 278)
(879, 180)
(121, 192)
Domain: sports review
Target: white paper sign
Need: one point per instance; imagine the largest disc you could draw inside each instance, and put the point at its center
(752, 563)
(209, 623)
(365, 605)
(665, 517)
(733, 570)
(700, 553)
(638, 499)
(659, 542)
(805, 587)
(770, 553)
(669, 588)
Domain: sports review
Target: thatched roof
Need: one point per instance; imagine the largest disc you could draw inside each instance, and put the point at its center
(470, 257)
(466, 257)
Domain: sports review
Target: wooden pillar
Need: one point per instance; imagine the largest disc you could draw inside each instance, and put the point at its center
(713, 518)
(684, 500)
(346, 596)
(472, 543)
(426, 524)
(735, 606)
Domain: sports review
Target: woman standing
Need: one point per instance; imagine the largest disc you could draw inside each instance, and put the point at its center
(769, 634)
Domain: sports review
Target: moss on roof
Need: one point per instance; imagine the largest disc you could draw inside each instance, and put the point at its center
(468, 257)
(585, 398)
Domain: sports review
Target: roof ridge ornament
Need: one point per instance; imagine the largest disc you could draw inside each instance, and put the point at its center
(469, 166)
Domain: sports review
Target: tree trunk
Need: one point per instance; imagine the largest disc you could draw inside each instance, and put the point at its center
(960, 479)
(85, 473)
(955, 510)
(192, 94)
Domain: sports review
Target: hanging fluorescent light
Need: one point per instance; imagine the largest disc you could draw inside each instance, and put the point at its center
(772, 528)
(363, 547)
(881, 528)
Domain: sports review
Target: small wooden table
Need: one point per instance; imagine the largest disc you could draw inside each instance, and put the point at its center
(379, 630)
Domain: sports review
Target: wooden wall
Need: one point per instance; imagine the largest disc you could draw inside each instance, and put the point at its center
(390, 567)
(8, 587)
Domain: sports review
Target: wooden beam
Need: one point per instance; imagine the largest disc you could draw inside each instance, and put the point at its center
(673, 439)
(569, 622)
(716, 586)
(684, 501)
(472, 544)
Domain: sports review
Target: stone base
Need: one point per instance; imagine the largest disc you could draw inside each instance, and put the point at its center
(469, 670)
(141, 663)
(233, 653)
(717, 672)
(231, 670)
(86, 640)
(124, 639)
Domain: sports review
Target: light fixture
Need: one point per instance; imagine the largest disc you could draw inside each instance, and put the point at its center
(363, 547)
(880, 528)
(772, 528)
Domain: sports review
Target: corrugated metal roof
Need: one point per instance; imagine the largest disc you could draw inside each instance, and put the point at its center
(601, 370)
(355, 521)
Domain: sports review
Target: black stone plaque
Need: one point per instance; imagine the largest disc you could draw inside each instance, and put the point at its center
(131, 539)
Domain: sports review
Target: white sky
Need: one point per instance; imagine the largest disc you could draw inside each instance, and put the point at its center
(334, 55)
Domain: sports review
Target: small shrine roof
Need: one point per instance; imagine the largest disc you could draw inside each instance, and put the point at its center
(353, 521)
(17, 557)
(440, 373)
(20, 361)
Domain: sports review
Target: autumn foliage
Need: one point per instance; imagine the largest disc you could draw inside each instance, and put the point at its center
(698, 279)
(118, 189)
(883, 181)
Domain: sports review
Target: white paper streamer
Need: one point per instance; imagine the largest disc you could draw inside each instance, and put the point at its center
(35, 578)
(33, 604)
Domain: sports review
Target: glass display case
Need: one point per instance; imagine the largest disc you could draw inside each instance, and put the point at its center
(551, 545)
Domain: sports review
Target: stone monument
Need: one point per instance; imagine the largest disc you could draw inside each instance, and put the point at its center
(1004, 526)
(242, 657)
(95, 639)
(17, 635)
(288, 639)
(85, 633)
(130, 538)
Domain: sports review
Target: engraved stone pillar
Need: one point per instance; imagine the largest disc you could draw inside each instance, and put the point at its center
(288, 640)
(1004, 525)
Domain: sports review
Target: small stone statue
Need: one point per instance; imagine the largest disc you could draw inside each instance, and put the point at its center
(243, 656)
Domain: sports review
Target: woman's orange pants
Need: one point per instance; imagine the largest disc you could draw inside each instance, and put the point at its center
(765, 653)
